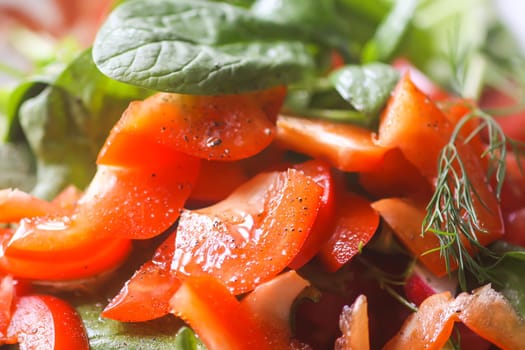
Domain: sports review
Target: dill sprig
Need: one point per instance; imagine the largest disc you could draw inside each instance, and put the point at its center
(451, 212)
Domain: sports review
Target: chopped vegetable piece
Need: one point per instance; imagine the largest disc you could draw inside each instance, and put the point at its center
(355, 224)
(347, 147)
(216, 315)
(45, 322)
(252, 235)
(353, 323)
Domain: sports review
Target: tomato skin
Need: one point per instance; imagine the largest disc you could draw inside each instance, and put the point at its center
(429, 328)
(7, 296)
(412, 122)
(396, 177)
(347, 147)
(432, 90)
(321, 173)
(216, 315)
(225, 127)
(146, 295)
(46, 322)
(511, 123)
(252, 235)
(405, 218)
(87, 262)
(356, 223)
(210, 187)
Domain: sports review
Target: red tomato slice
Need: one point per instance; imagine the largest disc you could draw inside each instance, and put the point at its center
(216, 315)
(146, 294)
(252, 235)
(413, 123)
(7, 295)
(423, 83)
(347, 147)
(321, 173)
(396, 177)
(429, 328)
(45, 322)
(216, 181)
(226, 127)
(102, 256)
(511, 122)
(16, 204)
(356, 222)
(405, 218)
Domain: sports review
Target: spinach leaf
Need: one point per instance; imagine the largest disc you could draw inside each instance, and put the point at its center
(366, 87)
(319, 20)
(390, 32)
(197, 47)
(507, 274)
(164, 333)
(66, 124)
(16, 166)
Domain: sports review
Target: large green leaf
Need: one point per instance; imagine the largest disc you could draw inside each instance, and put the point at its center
(66, 124)
(197, 47)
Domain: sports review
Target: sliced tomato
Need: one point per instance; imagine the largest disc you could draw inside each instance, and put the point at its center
(216, 181)
(396, 177)
(413, 123)
(7, 296)
(253, 234)
(490, 315)
(405, 218)
(510, 120)
(226, 127)
(429, 328)
(46, 322)
(146, 295)
(355, 224)
(102, 256)
(347, 147)
(321, 173)
(216, 315)
(271, 303)
(429, 88)
(16, 204)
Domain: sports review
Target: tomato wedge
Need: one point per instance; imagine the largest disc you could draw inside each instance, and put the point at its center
(321, 173)
(491, 316)
(250, 236)
(428, 328)
(46, 322)
(100, 257)
(216, 181)
(7, 295)
(146, 294)
(347, 147)
(413, 123)
(226, 127)
(216, 315)
(355, 224)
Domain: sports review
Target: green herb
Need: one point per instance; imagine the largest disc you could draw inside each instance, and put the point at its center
(197, 47)
(390, 33)
(366, 87)
(451, 213)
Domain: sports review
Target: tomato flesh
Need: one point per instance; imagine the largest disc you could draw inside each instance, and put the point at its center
(45, 322)
(252, 235)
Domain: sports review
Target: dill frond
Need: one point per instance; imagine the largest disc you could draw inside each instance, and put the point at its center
(451, 213)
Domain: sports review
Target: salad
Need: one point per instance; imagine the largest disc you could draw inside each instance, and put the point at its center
(265, 174)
